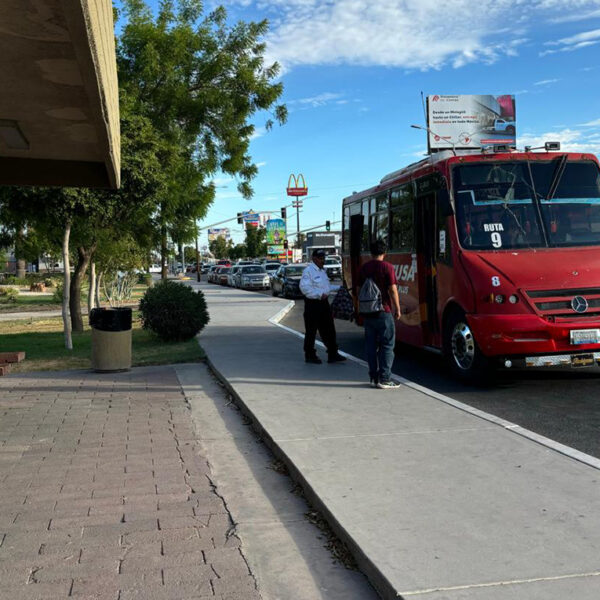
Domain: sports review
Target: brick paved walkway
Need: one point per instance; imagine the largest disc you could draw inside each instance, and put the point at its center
(103, 493)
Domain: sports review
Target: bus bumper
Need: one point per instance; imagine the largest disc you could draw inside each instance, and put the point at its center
(529, 337)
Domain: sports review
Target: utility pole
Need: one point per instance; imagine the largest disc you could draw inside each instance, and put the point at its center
(297, 187)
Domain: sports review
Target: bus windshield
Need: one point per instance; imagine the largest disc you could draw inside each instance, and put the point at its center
(523, 204)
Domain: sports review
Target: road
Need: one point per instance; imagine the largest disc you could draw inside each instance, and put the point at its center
(561, 404)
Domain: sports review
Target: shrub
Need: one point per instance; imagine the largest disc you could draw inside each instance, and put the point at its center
(57, 295)
(9, 294)
(49, 282)
(145, 279)
(173, 311)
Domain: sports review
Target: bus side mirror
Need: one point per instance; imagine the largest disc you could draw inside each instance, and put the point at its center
(444, 204)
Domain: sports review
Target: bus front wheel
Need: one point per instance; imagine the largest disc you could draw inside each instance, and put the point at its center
(462, 354)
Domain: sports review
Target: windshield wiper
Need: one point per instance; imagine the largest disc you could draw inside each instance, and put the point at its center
(560, 169)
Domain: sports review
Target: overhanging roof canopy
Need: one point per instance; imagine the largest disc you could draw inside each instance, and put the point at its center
(59, 106)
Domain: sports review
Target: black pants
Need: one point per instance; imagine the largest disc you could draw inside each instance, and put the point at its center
(317, 317)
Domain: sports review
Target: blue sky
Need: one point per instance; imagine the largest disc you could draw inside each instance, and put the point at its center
(353, 71)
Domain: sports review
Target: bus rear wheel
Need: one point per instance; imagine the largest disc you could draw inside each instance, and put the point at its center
(462, 354)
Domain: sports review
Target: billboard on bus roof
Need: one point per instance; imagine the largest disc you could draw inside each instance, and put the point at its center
(470, 121)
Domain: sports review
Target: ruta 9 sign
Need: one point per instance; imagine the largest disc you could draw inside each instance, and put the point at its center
(297, 185)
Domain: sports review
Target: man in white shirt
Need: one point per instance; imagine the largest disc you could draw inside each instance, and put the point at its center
(316, 288)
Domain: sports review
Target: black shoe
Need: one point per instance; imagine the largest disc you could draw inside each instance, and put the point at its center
(315, 360)
(336, 358)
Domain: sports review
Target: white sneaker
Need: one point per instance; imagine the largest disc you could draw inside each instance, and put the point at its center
(388, 385)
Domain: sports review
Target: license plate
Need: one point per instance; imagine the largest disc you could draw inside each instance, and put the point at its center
(585, 336)
(582, 360)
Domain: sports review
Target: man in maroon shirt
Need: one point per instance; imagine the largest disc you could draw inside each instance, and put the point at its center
(380, 328)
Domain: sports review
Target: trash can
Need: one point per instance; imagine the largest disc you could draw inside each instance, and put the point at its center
(111, 339)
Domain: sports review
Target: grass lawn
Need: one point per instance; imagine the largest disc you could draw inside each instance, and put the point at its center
(25, 303)
(29, 303)
(43, 342)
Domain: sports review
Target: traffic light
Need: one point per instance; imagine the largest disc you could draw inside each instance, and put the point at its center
(240, 218)
(328, 225)
(283, 213)
(285, 244)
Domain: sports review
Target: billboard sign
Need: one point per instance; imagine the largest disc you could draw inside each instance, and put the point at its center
(215, 233)
(470, 121)
(275, 232)
(275, 250)
(251, 218)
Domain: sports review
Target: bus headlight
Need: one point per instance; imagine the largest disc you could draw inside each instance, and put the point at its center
(499, 299)
(513, 299)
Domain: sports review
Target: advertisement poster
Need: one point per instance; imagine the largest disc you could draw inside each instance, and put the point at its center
(251, 219)
(470, 121)
(215, 233)
(275, 250)
(275, 232)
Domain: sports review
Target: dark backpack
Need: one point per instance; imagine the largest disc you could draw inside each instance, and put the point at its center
(369, 298)
(342, 306)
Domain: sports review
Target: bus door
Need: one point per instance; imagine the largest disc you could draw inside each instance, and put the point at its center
(427, 233)
(356, 236)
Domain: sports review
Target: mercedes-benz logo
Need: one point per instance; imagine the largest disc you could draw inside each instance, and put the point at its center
(579, 304)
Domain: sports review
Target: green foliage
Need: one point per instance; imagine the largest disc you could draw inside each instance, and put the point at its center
(57, 295)
(9, 294)
(220, 248)
(119, 288)
(173, 311)
(256, 246)
(48, 282)
(145, 279)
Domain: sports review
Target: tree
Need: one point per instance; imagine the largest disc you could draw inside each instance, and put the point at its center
(200, 82)
(220, 247)
(256, 244)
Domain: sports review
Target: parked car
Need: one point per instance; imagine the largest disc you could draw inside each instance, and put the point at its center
(205, 268)
(223, 278)
(286, 281)
(224, 262)
(241, 263)
(333, 268)
(252, 277)
(231, 275)
(271, 268)
(212, 274)
(154, 268)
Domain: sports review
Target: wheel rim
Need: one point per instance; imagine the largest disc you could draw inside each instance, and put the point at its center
(463, 346)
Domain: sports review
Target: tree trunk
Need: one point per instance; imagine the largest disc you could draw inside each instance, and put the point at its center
(83, 260)
(92, 287)
(66, 287)
(97, 288)
(21, 262)
(163, 253)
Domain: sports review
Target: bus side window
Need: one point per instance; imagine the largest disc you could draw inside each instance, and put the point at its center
(402, 219)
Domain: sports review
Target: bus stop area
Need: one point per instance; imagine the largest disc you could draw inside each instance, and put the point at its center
(150, 484)
(435, 500)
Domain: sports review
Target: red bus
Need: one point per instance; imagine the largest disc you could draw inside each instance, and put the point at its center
(497, 255)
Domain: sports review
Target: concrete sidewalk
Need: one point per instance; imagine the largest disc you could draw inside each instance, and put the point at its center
(433, 501)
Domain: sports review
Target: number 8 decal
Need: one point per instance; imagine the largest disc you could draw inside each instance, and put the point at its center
(496, 281)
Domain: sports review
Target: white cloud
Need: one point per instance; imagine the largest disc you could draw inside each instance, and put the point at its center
(316, 101)
(571, 140)
(594, 123)
(574, 42)
(546, 81)
(412, 34)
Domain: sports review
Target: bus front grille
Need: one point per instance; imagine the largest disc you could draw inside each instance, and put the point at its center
(562, 304)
